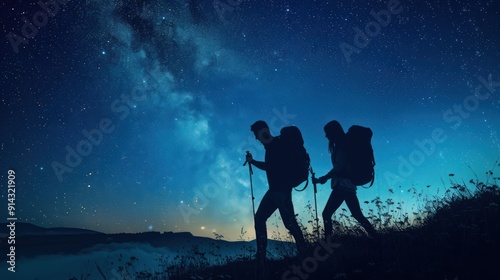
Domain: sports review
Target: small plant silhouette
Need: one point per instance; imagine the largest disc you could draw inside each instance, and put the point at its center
(455, 236)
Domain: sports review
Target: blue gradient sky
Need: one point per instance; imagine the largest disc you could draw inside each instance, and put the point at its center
(175, 86)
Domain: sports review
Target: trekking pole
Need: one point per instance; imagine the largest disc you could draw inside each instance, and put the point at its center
(315, 202)
(250, 171)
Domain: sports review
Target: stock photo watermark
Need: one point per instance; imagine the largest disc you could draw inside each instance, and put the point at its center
(222, 177)
(372, 29)
(30, 28)
(121, 108)
(309, 265)
(224, 8)
(454, 116)
(11, 220)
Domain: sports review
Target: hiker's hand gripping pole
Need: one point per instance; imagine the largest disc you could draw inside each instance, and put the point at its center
(250, 171)
(315, 202)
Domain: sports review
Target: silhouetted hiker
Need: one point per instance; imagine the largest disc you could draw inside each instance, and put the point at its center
(279, 195)
(343, 189)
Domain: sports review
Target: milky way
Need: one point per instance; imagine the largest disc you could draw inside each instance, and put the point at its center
(128, 116)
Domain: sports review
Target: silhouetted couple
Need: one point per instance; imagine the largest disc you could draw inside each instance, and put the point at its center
(279, 195)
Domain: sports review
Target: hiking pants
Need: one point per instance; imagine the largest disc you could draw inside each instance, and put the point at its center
(281, 200)
(336, 198)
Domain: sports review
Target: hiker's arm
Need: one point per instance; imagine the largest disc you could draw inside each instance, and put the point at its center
(329, 175)
(259, 164)
(337, 167)
(325, 178)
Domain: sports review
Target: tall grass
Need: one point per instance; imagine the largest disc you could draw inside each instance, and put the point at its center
(455, 236)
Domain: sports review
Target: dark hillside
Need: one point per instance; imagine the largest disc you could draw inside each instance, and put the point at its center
(459, 239)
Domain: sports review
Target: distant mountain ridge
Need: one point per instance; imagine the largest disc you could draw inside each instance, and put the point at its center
(32, 240)
(25, 229)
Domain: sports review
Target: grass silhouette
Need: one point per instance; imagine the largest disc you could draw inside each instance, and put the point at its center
(456, 236)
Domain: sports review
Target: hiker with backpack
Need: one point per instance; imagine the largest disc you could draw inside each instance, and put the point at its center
(279, 196)
(353, 161)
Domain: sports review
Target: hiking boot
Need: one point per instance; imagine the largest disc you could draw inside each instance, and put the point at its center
(260, 259)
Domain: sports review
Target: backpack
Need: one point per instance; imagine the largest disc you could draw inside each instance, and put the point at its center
(360, 159)
(296, 160)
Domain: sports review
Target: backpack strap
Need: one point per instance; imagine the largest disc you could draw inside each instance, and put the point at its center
(301, 190)
(373, 178)
(307, 181)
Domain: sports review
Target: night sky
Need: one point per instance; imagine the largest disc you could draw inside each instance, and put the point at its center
(133, 115)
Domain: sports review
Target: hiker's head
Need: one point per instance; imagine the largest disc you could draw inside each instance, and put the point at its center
(333, 130)
(261, 131)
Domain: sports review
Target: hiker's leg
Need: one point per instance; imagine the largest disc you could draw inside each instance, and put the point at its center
(288, 216)
(334, 201)
(353, 205)
(266, 208)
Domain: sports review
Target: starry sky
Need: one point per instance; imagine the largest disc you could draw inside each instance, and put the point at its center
(134, 115)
